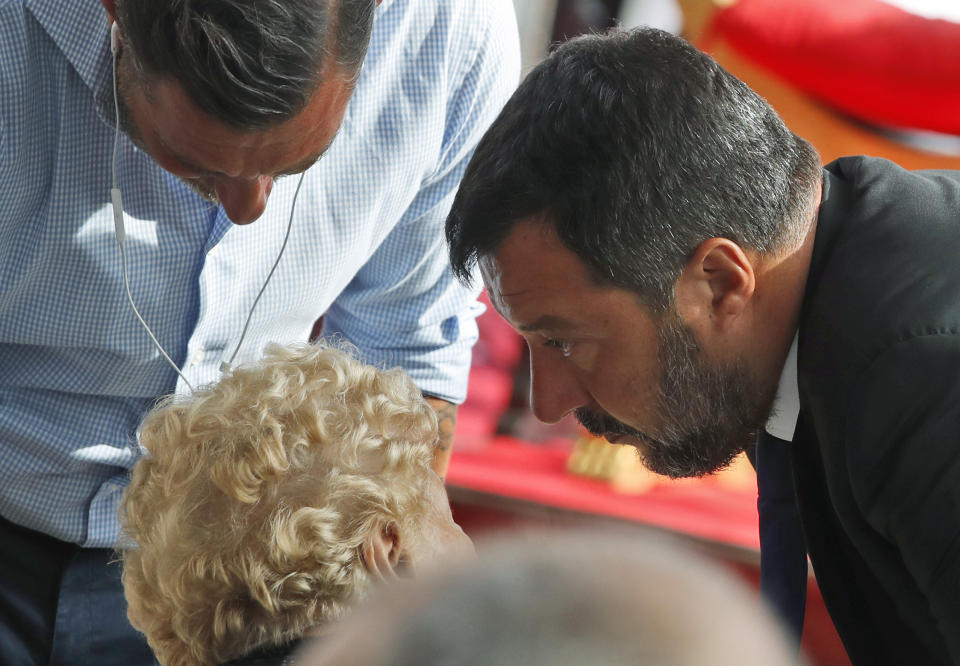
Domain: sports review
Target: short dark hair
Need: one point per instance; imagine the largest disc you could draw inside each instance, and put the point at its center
(636, 147)
(249, 63)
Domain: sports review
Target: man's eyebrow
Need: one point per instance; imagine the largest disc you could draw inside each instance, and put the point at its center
(188, 164)
(305, 164)
(300, 167)
(548, 323)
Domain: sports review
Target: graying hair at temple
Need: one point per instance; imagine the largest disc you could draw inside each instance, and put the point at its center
(635, 147)
(250, 63)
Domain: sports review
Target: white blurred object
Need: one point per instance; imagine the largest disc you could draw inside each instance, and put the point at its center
(535, 21)
(663, 14)
(948, 10)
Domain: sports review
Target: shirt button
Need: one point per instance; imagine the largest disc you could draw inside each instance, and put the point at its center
(196, 358)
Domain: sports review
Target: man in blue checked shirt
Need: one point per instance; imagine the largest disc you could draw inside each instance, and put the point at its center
(377, 104)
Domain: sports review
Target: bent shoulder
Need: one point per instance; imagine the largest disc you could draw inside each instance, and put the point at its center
(462, 26)
(885, 278)
(881, 185)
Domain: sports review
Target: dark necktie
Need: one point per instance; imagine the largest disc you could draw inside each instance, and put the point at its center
(783, 550)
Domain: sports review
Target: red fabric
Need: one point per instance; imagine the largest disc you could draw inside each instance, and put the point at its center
(499, 345)
(537, 473)
(865, 57)
(488, 395)
(495, 359)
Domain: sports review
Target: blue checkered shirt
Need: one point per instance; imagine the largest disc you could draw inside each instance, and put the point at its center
(77, 371)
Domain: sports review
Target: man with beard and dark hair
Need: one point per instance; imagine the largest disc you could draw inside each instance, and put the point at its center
(687, 276)
(282, 169)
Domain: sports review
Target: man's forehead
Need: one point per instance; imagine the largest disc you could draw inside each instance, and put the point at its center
(535, 287)
(531, 244)
(200, 142)
(529, 314)
(504, 281)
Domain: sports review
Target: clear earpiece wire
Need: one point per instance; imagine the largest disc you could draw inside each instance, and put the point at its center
(121, 231)
(121, 240)
(226, 365)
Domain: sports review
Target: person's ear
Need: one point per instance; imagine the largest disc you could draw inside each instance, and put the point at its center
(383, 553)
(716, 284)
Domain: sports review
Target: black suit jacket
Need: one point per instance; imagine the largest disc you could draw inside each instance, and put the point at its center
(877, 449)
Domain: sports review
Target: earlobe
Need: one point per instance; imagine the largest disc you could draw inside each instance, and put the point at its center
(383, 553)
(717, 282)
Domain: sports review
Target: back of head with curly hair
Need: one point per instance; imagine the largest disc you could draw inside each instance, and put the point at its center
(256, 497)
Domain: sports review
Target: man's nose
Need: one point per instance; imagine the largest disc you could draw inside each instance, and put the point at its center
(554, 389)
(244, 199)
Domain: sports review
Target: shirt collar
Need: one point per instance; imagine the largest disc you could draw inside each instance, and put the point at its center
(786, 406)
(81, 31)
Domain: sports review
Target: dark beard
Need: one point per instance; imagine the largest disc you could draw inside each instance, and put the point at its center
(709, 414)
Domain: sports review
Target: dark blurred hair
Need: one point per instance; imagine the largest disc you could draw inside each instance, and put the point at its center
(249, 63)
(636, 147)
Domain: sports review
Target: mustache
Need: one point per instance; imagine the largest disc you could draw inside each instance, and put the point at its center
(600, 424)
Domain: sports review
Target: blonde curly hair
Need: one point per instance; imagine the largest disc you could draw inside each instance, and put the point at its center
(257, 495)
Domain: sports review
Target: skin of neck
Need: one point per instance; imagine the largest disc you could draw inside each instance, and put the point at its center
(782, 284)
(746, 304)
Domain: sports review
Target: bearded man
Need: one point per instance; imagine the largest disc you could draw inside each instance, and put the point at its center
(687, 276)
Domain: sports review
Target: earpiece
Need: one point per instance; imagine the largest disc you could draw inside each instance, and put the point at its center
(114, 37)
(116, 201)
(115, 197)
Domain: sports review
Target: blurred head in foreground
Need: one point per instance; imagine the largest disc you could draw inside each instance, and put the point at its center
(564, 600)
(268, 503)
